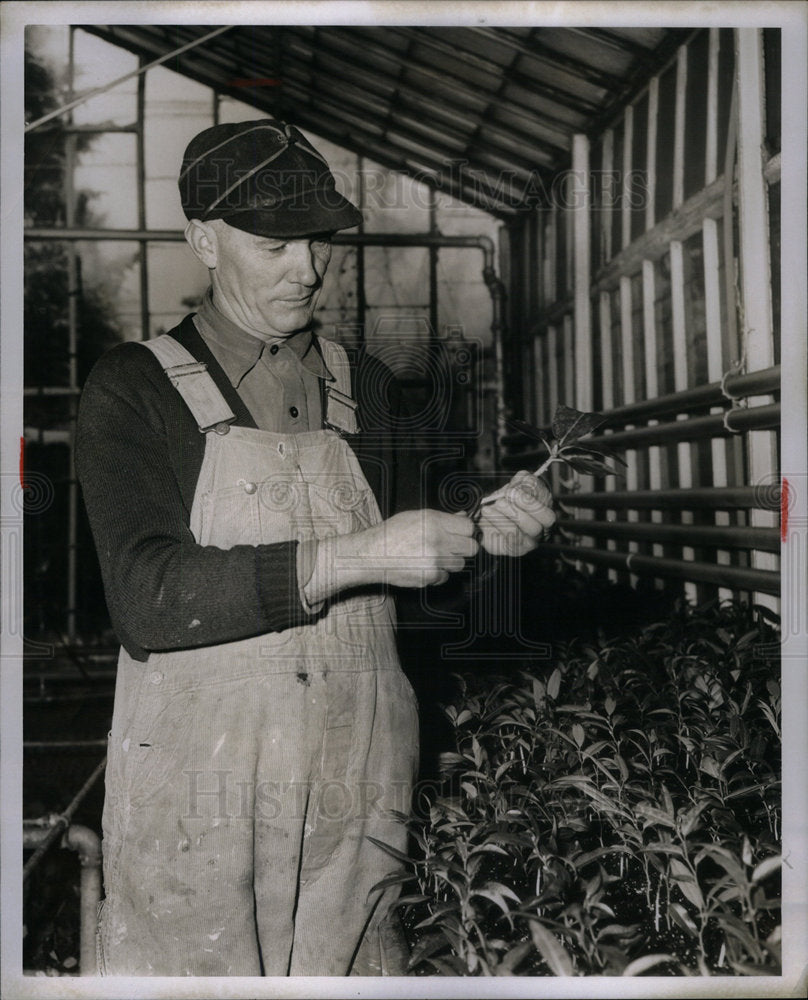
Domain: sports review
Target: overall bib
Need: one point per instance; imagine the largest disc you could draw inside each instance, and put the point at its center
(244, 779)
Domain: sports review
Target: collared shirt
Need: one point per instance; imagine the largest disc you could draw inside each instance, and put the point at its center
(278, 378)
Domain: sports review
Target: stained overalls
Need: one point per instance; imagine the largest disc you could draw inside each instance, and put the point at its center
(244, 779)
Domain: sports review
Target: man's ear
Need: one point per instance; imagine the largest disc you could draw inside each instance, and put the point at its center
(201, 239)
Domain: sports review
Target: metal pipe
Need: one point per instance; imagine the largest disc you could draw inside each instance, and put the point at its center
(734, 577)
(87, 845)
(693, 429)
(707, 497)
(720, 536)
(735, 386)
(62, 821)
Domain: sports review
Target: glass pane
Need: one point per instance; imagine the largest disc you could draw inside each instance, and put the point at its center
(231, 110)
(344, 166)
(397, 276)
(177, 282)
(109, 297)
(101, 279)
(463, 298)
(695, 311)
(696, 113)
(336, 307)
(393, 203)
(176, 110)
(105, 181)
(392, 327)
(96, 64)
(664, 151)
(456, 218)
(45, 74)
(45, 313)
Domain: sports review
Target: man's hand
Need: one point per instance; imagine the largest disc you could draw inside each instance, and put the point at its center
(412, 549)
(513, 518)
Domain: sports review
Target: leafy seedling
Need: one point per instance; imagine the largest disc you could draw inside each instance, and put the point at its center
(567, 445)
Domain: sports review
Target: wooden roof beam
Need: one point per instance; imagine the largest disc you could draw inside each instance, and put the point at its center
(535, 49)
(369, 77)
(560, 96)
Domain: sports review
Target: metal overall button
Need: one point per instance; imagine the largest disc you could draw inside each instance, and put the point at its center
(222, 428)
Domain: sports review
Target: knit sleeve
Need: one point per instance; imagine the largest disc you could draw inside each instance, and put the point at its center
(164, 591)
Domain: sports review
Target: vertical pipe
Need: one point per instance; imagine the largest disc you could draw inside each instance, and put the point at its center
(679, 128)
(607, 384)
(650, 159)
(711, 146)
(582, 280)
(755, 262)
(715, 369)
(88, 847)
(651, 381)
(582, 260)
(141, 203)
(73, 291)
(625, 192)
(683, 448)
(607, 195)
(629, 394)
(361, 304)
(433, 270)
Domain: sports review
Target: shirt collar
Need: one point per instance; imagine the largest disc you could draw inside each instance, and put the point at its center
(238, 351)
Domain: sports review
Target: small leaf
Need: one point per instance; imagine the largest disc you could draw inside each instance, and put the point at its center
(554, 684)
(391, 850)
(687, 883)
(426, 947)
(513, 958)
(590, 466)
(683, 919)
(641, 965)
(528, 430)
(578, 734)
(766, 867)
(551, 950)
(570, 424)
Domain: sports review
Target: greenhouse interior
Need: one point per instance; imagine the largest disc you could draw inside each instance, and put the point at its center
(569, 260)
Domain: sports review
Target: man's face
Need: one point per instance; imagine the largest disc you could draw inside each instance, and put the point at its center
(268, 286)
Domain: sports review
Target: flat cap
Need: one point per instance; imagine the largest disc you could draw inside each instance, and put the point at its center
(263, 177)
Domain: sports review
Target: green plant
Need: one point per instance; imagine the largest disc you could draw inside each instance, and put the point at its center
(618, 815)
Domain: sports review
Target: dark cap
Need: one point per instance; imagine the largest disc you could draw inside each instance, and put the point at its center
(263, 177)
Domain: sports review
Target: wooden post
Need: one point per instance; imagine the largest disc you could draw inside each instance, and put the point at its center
(627, 345)
(584, 372)
(756, 317)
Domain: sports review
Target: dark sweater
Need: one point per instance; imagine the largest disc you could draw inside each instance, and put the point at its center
(138, 457)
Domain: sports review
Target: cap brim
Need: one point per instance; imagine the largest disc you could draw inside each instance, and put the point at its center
(312, 214)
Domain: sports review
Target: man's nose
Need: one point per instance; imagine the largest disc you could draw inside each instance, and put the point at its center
(302, 269)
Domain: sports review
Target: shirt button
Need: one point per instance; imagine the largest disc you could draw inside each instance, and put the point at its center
(250, 488)
(156, 677)
(293, 411)
(273, 349)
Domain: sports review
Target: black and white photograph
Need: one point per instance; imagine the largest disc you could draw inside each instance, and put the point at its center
(404, 471)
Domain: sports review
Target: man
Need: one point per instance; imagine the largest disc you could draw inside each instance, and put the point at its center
(249, 510)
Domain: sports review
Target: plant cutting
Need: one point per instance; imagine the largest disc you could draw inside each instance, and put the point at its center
(566, 445)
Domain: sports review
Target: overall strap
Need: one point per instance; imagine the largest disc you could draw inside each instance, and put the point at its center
(190, 378)
(340, 406)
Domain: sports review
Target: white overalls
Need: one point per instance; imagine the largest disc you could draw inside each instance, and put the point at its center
(244, 779)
